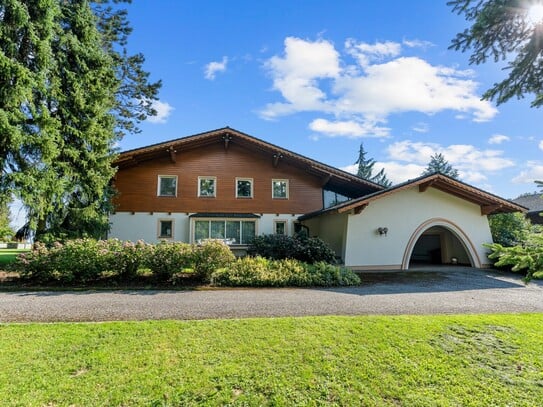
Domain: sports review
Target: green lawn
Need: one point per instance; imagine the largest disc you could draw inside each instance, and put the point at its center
(9, 255)
(349, 361)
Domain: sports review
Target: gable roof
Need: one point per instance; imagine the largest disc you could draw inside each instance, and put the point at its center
(534, 202)
(331, 177)
(489, 203)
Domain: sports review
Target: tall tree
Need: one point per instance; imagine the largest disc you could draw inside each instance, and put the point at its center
(503, 30)
(439, 164)
(69, 91)
(365, 169)
(6, 232)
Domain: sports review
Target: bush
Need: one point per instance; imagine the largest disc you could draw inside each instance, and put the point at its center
(166, 259)
(509, 229)
(262, 272)
(526, 257)
(306, 249)
(210, 256)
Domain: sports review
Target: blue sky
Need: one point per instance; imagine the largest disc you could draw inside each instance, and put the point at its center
(319, 77)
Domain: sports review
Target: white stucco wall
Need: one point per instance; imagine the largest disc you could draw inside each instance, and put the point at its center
(144, 225)
(403, 213)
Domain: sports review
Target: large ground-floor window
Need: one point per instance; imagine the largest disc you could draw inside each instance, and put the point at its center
(233, 231)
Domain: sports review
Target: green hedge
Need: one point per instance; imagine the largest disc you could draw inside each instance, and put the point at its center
(262, 272)
(299, 247)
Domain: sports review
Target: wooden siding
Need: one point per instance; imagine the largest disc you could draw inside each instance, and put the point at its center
(137, 185)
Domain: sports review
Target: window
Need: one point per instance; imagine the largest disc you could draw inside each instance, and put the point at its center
(165, 229)
(280, 189)
(232, 231)
(207, 186)
(280, 227)
(167, 185)
(332, 198)
(244, 187)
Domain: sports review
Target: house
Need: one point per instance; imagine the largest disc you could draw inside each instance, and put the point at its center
(534, 203)
(228, 185)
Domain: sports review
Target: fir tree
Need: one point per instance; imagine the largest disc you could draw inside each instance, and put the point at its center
(438, 164)
(365, 169)
(502, 30)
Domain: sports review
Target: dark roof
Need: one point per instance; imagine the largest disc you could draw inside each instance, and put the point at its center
(224, 215)
(489, 203)
(333, 178)
(534, 202)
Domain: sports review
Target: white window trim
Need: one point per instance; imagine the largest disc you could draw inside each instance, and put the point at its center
(276, 221)
(252, 187)
(160, 177)
(214, 188)
(159, 223)
(193, 226)
(288, 188)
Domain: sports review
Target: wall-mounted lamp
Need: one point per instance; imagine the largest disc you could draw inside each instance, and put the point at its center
(382, 231)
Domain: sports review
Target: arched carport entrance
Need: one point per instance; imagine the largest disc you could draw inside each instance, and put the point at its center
(439, 241)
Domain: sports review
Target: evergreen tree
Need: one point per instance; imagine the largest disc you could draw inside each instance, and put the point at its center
(67, 90)
(365, 169)
(439, 164)
(6, 232)
(502, 30)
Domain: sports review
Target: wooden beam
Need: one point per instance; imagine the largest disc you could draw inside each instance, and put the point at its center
(227, 138)
(359, 209)
(173, 155)
(488, 209)
(276, 158)
(424, 186)
(326, 179)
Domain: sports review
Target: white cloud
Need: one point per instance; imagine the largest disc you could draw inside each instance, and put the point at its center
(311, 76)
(163, 110)
(541, 145)
(349, 128)
(533, 172)
(417, 44)
(498, 139)
(212, 68)
(421, 127)
(400, 172)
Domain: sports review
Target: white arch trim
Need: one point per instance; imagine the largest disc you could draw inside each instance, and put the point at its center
(455, 229)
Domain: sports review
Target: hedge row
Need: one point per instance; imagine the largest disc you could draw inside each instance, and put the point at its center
(85, 260)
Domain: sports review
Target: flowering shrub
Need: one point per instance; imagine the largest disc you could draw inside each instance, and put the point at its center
(209, 256)
(262, 272)
(166, 259)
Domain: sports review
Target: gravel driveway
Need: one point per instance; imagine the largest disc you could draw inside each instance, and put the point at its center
(450, 290)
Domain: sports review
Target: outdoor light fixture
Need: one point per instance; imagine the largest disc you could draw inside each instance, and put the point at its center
(382, 231)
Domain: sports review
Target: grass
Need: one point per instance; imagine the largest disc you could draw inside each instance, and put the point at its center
(470, 360)
(8, 255)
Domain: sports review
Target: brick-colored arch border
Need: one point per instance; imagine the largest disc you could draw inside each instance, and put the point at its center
(450, 226)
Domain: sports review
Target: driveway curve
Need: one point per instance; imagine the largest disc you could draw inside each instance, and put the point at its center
(457, 290)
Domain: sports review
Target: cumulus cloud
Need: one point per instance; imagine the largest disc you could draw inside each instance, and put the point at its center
(163, 110)
(421, 127)
(348, 128)
(211, 69)
(541, 145)
(532, 172)
(314, 76)
(498, 139)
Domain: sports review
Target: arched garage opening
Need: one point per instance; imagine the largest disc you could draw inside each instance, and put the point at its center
(439, 241)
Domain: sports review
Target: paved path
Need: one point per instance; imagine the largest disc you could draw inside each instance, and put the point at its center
(447, 291)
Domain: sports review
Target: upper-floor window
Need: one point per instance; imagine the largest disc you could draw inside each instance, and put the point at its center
(244, 187)
(280, 188)
(332, 198)
(167, 185)
(207, 186)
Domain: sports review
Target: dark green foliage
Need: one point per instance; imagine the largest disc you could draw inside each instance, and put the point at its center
(6, 232)
(438, 164)
(262, 272)
(509, 229)
(365, 169)
(501, 31)
(299, 247)
(68, 91)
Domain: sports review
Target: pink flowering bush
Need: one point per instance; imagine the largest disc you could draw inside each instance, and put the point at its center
(166, 259)
(210, 256)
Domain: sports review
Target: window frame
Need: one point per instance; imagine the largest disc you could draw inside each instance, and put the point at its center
(251, 181)
(159, 183)
(159, 228)
(225, 229)
(283, 222)
(286, 181)
(203, 178)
